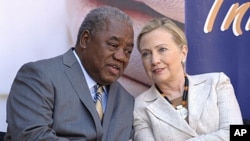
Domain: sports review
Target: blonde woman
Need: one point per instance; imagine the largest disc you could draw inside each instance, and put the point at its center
(179, 106)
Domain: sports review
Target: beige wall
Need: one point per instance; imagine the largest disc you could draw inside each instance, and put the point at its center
(30, 30)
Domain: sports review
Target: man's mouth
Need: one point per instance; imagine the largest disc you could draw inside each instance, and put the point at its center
(114, 69)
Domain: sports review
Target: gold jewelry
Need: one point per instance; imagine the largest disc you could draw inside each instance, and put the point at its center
(180, 108)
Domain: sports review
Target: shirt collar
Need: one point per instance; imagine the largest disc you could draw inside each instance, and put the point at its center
(90, 82)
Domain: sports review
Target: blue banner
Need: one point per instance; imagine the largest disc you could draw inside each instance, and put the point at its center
(218, 33)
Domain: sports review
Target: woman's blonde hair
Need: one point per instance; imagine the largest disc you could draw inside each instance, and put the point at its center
(167, 24)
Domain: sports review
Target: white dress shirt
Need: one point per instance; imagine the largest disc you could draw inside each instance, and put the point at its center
(91, 83)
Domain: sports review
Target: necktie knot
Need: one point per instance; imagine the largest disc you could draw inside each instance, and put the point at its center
(99, 89)
(98, 92)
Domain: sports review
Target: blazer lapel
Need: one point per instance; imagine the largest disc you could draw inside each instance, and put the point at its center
(160, 108)
(78, 82)
(197, 96)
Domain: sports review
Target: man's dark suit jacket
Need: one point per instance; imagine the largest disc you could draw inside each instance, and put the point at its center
(50, 100)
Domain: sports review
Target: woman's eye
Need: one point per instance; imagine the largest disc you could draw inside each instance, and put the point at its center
(162, 49)
(145, 54)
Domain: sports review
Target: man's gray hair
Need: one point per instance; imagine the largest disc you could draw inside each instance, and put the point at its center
(96, 19)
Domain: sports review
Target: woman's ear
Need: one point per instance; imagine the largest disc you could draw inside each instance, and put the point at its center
(184, 53)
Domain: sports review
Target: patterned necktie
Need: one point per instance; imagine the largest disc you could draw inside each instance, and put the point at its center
(98, 100)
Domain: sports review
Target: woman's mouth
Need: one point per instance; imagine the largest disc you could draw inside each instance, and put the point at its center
(158, 70)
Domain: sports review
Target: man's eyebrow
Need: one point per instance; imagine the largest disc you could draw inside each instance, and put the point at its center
(114, 38)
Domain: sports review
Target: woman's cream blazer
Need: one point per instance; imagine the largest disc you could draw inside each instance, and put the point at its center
(212, 108)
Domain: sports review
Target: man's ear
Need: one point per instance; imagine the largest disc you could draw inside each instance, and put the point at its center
(84, 38)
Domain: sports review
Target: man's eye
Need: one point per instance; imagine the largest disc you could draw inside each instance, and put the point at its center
(113, 45)
(128, 51)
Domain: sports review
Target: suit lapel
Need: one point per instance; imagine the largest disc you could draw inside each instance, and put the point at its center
(167, 114)
(109, 107)
(197, 96)
(78, 82)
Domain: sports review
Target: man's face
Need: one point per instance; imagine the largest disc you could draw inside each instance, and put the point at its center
(106, 54)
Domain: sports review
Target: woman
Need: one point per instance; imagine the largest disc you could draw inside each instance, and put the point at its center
(179, 106)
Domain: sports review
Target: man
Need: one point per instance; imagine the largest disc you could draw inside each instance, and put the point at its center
(54, 99)
(140, 11)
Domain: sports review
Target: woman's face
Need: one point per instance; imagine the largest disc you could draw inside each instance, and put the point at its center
(161, 57)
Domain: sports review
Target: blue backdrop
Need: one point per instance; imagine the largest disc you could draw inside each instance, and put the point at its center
(216, 43)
